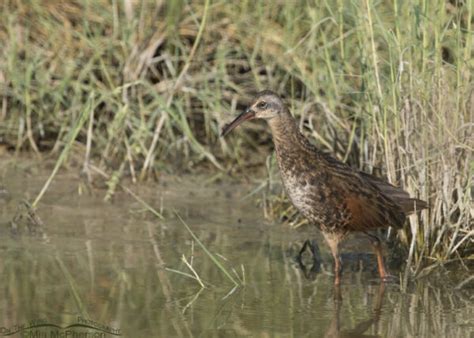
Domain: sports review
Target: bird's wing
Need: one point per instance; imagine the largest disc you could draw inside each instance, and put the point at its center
(370, 202)
(369, 211)
(368, 207)
(397, 194)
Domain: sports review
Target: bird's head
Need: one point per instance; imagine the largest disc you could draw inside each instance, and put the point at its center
(266, 105)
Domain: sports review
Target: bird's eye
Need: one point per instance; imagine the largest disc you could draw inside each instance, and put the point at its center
(262, 105)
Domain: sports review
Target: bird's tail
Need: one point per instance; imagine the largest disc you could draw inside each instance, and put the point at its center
(410, 205)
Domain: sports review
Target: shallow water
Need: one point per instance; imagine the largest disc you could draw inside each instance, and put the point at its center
(117, 265)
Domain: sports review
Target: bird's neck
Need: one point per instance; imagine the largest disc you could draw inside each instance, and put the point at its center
(290, 144)
(285, 132)
(284, 128)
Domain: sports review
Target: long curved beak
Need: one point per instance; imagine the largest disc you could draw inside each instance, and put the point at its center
(246, 115)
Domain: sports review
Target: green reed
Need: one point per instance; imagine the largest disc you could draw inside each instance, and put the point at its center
(386, 86)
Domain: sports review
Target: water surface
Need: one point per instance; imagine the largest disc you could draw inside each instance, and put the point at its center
(118, 265)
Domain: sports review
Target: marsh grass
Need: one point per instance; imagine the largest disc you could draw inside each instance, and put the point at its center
(386, 86)
(211, 256)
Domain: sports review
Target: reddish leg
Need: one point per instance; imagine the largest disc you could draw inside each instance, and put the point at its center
(377, 245)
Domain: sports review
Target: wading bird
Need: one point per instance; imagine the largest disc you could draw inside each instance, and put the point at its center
(329, 193)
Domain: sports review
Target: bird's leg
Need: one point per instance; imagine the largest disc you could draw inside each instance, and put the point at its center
(337, 268)
(377, 245)
(333, 241)
(379, 301)
(337, 294)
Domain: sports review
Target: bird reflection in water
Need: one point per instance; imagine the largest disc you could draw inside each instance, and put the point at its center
(311, 270)
(358, 331)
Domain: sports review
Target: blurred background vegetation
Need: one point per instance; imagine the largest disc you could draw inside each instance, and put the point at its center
(386, 86)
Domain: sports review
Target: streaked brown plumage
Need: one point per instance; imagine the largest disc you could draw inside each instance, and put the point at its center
(329, 193)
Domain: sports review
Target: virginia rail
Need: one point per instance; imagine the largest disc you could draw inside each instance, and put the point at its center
(329, 193)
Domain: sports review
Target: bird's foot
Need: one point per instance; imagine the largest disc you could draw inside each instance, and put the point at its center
(387, 279)
(390, 279)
